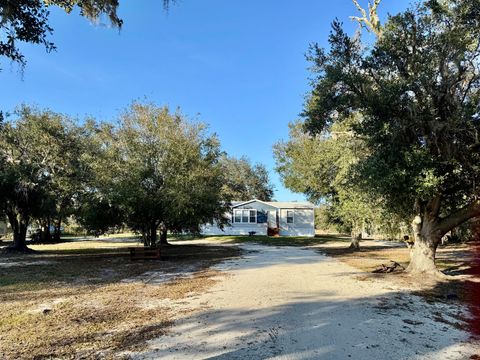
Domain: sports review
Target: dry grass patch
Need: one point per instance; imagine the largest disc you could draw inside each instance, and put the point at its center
(76, 304)
(453, 259)
(371, 255)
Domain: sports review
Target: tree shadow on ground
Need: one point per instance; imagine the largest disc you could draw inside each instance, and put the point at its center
(397, 325)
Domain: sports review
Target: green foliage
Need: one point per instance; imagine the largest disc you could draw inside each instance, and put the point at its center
(160, 170)
(98, 216)
(28, 21)
(417, 90)
(323, 167)
(326, 220)
(154, 170)
(244, 181)
(43, 168)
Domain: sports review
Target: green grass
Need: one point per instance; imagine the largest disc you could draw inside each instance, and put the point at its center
(281, 240)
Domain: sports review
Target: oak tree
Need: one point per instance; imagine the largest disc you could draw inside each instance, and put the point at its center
(417, 90)
(162, 171)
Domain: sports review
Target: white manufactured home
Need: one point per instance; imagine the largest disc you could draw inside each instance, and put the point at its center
(267, 218)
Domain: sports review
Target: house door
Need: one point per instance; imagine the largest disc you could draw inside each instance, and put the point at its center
(273, 229)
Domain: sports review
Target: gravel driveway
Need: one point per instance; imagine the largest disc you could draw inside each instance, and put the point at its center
(293, 303)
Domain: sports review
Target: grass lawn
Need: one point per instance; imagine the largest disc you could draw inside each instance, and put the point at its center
(87, 299)
(281, 240)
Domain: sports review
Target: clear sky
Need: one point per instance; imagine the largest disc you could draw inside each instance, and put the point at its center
(237, 65)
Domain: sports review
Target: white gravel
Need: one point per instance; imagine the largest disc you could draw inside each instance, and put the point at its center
(157, 277)
(292, 303)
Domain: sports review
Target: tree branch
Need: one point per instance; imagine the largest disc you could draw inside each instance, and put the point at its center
(362, 11)
(459, 217)
(371, 21)
(433, 206)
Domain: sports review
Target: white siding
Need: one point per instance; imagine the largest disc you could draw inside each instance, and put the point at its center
(272, 218)
(303, 224)
(235, 229)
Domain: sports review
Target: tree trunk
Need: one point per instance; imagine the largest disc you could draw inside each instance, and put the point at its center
(356, 236)
(152, 235)
(48, 237)
(19, 227)
(163, 237)
(57, 232)
(45, 236)
(355, 244)
(422, 254)
(429, 228)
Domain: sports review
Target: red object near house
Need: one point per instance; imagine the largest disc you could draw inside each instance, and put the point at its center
(273, 232)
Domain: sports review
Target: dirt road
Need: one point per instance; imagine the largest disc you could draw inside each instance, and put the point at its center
(292, 303)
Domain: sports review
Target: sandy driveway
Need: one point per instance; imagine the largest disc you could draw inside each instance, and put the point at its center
(292, 303)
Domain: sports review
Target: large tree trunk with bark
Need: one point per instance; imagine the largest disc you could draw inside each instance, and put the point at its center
(356, 236)
(428, 232)
(19, 226)
(422, 257)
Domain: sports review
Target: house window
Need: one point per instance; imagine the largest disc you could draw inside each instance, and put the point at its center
(253, 216)
(290, 217)
(245, 216)
(238, 216)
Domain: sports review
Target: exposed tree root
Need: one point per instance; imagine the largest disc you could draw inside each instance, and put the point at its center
(12, 250)
(389, 268)
(429, 273)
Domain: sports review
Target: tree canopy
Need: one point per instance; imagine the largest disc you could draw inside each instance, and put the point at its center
(157, 170)
(43, 168)
(322, 166)
(154, 171)
(417, 91)
(244, 181)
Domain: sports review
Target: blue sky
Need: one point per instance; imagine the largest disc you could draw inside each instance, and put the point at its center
(237, 65)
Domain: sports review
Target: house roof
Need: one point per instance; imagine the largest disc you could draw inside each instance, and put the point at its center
(292, 204)
(278, 204)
